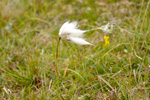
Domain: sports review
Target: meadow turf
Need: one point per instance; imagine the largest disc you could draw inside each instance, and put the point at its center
(28, 38)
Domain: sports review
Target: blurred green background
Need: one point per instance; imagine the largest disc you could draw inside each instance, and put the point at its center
(28, 37)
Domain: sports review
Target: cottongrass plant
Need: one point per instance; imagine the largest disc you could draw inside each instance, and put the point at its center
(69, 31)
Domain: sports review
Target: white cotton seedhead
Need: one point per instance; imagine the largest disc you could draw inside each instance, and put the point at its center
(105, 28)
(69, 31)
(79, 41)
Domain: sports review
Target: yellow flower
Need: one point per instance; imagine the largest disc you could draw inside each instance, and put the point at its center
(106, 41)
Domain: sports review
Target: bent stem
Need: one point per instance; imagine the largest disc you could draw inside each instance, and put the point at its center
(56, 70)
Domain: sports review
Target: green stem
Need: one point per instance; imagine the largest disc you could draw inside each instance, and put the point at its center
(56, 70)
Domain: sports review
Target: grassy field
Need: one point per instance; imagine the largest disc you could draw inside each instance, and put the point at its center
(117, 71)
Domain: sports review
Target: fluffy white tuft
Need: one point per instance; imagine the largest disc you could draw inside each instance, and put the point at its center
(105, 28)
(79, 41)
(70, 31)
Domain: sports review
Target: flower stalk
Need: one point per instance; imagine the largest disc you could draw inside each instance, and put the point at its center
(56, 69)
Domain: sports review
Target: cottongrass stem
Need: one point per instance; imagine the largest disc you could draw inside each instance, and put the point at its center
(56, 69)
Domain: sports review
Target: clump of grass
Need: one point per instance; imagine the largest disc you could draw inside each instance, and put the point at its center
(28, 40)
